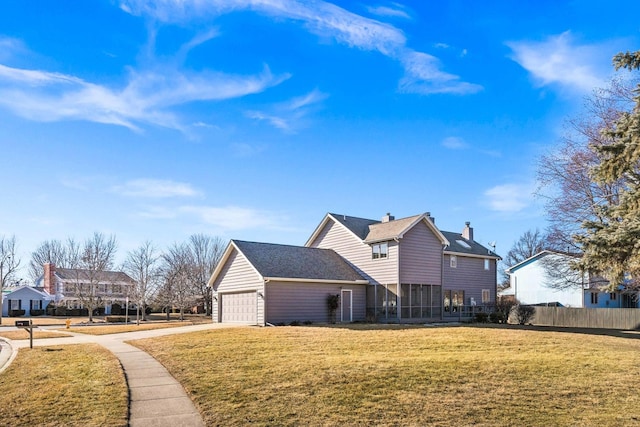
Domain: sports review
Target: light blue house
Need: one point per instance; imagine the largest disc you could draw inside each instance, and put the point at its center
(547, 278)
(33, 301)
(594, 298)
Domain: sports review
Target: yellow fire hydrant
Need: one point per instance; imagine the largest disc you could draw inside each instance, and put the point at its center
(68, 323)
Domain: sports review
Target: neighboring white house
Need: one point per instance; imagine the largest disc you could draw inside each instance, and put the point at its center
(531, 283)
(25, 298)
(68, 285)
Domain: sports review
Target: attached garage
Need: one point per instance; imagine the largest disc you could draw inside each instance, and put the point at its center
(305, 301)
(240, 307)
(263, 283)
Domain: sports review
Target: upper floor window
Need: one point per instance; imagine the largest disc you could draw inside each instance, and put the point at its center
(453, 261)
(486, 264)
(380, 250)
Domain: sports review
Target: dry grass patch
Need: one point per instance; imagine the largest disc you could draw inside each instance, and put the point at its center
(44, 320)
(405, 376)
(118, 329)
(23, 334)
(71, 385)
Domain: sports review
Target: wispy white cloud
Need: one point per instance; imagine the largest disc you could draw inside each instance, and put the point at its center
(235, 217)
(394, 10)
(509, 198)
(155, 188)
(561, 60)
(10, 47)
(289, 116)
(491, 153)
(454, 143)
(146, 99)
(423, 74)
(275, 121)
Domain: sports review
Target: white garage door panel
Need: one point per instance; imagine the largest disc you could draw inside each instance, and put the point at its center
(239, 308)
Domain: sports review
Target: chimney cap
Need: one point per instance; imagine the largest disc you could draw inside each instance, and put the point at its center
(467, 223)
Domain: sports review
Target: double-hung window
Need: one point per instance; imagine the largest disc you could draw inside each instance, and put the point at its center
(486, 296)
(380, 250)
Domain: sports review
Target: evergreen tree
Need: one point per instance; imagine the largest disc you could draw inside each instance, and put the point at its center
(611, 244)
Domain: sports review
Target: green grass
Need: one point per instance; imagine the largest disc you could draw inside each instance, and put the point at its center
(71, 385)
(405, 376)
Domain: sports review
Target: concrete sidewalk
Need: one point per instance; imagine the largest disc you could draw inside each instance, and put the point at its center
(155, 397)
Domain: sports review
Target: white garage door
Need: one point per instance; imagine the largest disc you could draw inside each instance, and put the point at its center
(239, 308)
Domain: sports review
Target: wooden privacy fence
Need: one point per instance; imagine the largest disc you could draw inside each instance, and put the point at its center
(607, 318)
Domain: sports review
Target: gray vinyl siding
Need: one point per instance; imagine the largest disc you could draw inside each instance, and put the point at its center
(471, 277)
(288, 302)
(237, 275)
(358, 254)
(420, 256)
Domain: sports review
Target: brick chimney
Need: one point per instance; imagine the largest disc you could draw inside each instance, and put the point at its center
(50, 278)
(388, 217)
(467, 233)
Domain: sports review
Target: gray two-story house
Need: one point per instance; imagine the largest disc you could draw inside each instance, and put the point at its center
(391, 270)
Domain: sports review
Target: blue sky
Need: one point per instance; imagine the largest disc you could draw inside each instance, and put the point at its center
(251, 119)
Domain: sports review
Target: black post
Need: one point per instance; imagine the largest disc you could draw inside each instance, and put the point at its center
(30, 333)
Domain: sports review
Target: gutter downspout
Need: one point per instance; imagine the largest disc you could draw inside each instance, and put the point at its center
(399, 289)
(442, 283)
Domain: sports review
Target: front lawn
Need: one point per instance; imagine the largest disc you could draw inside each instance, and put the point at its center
(71, 385)
(23, 334)
(394, 375)
(106, 329)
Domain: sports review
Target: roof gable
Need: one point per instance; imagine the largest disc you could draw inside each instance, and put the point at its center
(536, 258)
(397, 228)
(26, 290)
(359, 227)
(369, 230)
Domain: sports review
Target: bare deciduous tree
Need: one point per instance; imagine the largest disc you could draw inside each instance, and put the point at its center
(565, 181)
(9, 263)
(206, 252)
(142, 266)
(527, 245)
(54, 252)
(97, 255)
(178, 288)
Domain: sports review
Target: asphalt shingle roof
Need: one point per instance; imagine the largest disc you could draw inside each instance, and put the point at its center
(474, 249)
(389, 230)
(370, 230)
(358, 226)
(298, 262)
(101, 276)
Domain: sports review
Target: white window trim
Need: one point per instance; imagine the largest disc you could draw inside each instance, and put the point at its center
(380, 253)
(453, 261)
(486, 292)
